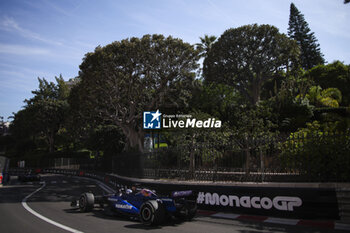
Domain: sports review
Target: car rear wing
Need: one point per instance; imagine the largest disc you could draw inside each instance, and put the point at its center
(184, 194)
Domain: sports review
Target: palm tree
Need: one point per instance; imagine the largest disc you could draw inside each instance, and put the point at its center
(205, 45)
(330, 97)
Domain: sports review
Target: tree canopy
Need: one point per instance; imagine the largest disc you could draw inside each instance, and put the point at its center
(248, 56)
(125, 78)
(44, 113)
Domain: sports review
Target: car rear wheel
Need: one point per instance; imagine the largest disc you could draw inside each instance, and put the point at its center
(86, 202)
(187, 212)
(191, 214)
(152, 213)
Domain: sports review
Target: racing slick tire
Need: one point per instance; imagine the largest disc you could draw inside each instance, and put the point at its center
(86, 202)
(152, 213)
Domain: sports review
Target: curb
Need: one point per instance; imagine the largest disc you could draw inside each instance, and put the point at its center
(283, 221)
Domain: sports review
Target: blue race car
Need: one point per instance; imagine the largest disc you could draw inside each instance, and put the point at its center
(142, 203)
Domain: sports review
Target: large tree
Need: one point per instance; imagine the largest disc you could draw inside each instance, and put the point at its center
(299, 31)
(44, 113)
(125, 78)
(248, 56)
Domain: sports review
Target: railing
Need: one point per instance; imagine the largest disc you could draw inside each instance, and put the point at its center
(311, 158)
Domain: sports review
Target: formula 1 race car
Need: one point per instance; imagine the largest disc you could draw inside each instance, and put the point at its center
(143, 204)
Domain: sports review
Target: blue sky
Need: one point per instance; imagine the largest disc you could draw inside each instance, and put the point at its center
(46, 38)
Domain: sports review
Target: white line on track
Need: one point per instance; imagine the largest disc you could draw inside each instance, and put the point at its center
(30, 210)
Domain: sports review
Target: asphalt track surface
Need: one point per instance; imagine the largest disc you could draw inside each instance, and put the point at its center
(51, 201)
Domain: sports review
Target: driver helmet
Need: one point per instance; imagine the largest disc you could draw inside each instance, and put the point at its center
(146, 192)
(128, 191)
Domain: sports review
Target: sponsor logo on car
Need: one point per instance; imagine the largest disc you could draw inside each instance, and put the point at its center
(181, 193)
(121, 206)
(166, 199)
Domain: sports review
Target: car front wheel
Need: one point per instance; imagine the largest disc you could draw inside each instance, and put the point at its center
(86, 202)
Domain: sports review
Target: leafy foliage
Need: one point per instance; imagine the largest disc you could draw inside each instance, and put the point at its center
(290, 113)
(218, 100)
(44, 114)
(330, 97)
(106, 138)
(319, 150)
(190, 143)
(333, 75)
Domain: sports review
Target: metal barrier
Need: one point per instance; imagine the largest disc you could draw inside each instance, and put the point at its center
(256, 199)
